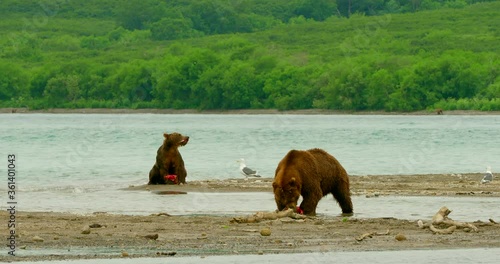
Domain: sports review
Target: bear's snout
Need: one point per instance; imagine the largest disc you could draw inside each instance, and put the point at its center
(184, 141)
(292, 206)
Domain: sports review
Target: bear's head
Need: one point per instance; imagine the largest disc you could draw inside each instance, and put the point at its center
(175, 139)
(287, 194)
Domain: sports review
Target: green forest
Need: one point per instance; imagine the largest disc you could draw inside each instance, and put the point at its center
(349, 55)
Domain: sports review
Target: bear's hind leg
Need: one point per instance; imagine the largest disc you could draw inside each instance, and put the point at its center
(343, 197)
(154, 175)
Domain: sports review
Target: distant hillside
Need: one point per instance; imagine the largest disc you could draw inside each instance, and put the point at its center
(76, 54)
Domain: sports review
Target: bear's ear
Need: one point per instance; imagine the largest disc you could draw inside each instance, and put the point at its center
(292, 182)
(165, 135)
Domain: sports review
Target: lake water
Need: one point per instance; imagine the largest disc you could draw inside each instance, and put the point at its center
(63, 161)
(456, 256)
(78, 163)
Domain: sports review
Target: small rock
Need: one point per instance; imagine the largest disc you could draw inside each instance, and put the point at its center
(125, 254)
(37, 239)
(86, 230)
(152, 237)
(95, 225)
(99, 213)
(23, 247)
(400, 237)
(260, 252)
(371, 195)
(319, 222)
(265, 231)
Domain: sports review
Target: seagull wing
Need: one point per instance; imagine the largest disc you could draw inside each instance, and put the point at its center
(487, 177)
(248, 171)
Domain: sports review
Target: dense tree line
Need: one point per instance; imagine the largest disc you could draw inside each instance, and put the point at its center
(176, 19)
(302, 54)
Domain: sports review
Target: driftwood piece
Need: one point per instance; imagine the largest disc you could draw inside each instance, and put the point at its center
(363, 236)
(446, 231)
(463, 225)
(490, 222)
(259, 216)
(421, 224)
(441, 215)
(441, 219)
(371, 234)
(160, 214)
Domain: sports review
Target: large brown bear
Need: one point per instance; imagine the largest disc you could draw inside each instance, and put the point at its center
(169, 166)
(313, 174)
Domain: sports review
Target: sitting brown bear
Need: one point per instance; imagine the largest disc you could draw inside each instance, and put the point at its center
(313, 174)
(169, 166)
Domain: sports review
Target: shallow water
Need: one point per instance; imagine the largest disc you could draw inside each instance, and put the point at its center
(456, 256)
(77, 162)
(145, 203)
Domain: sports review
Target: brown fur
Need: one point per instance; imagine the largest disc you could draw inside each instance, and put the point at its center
(439, 111)
(169, 160)
(313, 174)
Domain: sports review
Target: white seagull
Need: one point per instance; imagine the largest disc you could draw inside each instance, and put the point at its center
(246, 171)
(488, 177)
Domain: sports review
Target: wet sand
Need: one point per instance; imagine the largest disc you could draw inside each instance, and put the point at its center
(415, 185)
(57, 236)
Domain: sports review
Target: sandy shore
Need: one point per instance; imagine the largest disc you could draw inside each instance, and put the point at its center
(55, 236)
(415, 185)
(240, 111)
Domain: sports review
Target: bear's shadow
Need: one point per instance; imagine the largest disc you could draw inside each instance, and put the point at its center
(168, 192)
